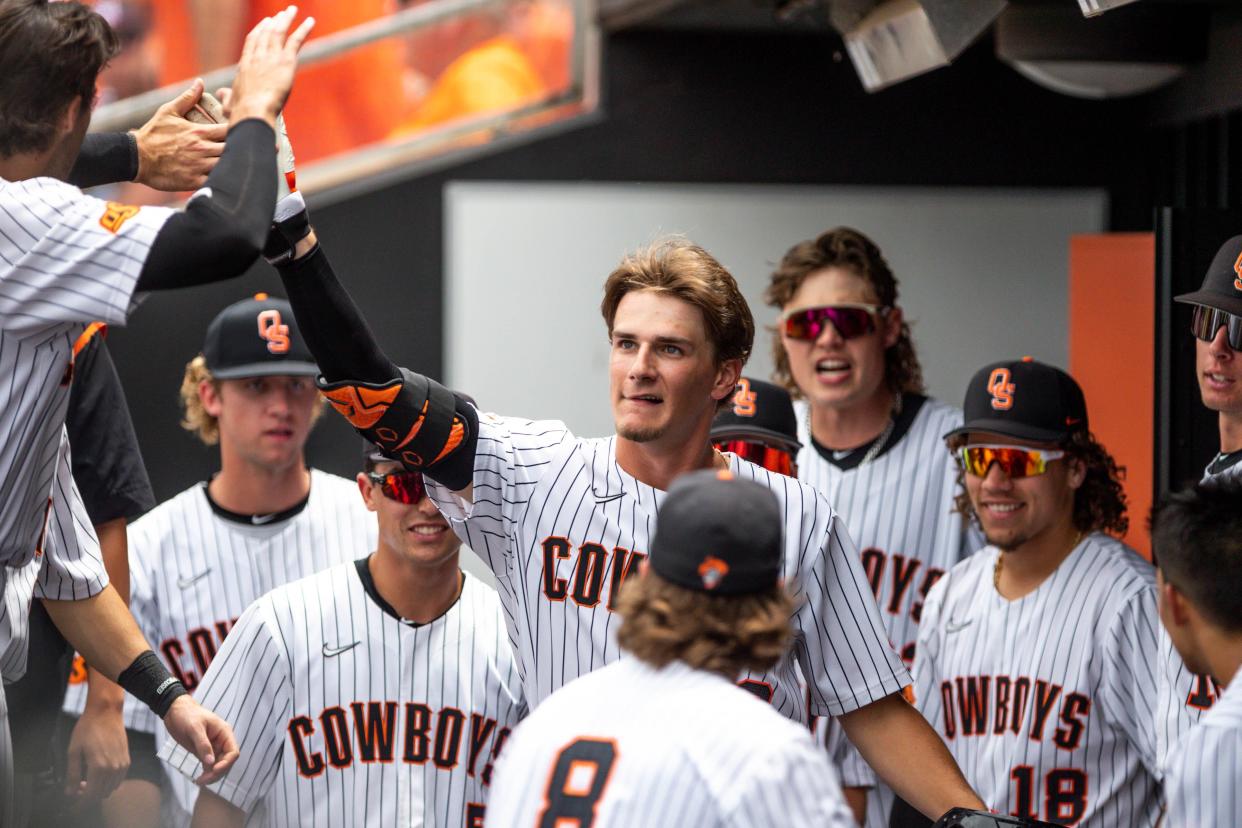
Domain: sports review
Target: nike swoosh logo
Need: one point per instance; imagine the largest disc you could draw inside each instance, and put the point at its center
(954, 627)
(186, 583)
(328, 652)
(259, 520)
(609, 498)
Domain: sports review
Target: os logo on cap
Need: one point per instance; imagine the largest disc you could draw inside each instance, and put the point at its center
(744, 401)
(274, 331)
(1237, 268)
(1001, 389)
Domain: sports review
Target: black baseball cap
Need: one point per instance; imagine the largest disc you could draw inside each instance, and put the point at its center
(720, 534)
(760, 411)
(257, 337)
(1222, 286)
(1025, 399)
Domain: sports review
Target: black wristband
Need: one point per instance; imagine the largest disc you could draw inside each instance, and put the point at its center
(283, 237)
(149, 681)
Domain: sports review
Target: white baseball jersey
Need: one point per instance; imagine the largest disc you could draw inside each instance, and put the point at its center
(1201, 775)
(194, 571)
(632, 745)
(899, 510)
(66, 259)
(561, 524)
(1049, 703)
(67, 565)
(1192, 693)
(347, 715)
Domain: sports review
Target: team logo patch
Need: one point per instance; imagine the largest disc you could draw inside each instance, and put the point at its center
(1001, 389)
(274, 331)
(712, 571)
(115, 215)
(1237, 268)
(744, 401)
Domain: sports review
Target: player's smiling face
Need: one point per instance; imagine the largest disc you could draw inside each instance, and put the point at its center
(664, 377)
(1220, 374)
(831, 371)
(415, 532)
(1014, 511)
(263, 420)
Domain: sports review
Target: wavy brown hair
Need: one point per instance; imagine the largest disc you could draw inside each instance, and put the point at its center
(849, 249)
(1099, 503)
(50, 53)
(677, 267)
(724, 634)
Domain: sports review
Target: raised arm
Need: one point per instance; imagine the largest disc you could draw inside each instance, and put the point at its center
(411, 418)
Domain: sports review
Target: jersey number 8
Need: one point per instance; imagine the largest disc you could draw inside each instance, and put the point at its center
(577, 783)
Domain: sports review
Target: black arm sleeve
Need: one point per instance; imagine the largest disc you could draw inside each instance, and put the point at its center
(105, 158)
(386, 404)
(107, 463)
(223, 227)
(335, 330)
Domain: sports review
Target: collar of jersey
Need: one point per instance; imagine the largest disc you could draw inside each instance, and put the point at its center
(249, 520)
(911, 404)
(368, 585)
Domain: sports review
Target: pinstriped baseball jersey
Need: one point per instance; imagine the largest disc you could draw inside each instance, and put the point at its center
(347, 715)
(636, 745)
(193, 572)
(1193, 694)
(561, 525)
(899, 511)
(1201, 776)
(70, 566)
(1049, 703)
(66, 259)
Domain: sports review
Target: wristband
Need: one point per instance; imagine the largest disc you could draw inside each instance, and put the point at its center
(291, 225)
(147, 680)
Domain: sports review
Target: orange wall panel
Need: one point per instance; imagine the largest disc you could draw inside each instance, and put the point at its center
(1112, 311)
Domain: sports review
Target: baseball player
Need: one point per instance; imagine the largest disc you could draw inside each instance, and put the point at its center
(640, 741)
(562, 521)
(67, 260)
(761, 426)
(199, 559)
(1197, 537)
(108, 468)
(377, 692)
(1036, 656)
(1217, 328)
(871, 437)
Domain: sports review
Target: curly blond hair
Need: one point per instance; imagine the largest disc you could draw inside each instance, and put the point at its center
(723, 634)
(194, 417)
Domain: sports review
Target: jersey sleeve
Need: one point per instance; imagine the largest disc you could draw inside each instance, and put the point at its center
(247, 685)
(839, 639)
(73, 567)
(510, 459)
(68, 257)
(794, 786)
(1201, 785)
(1129, 690)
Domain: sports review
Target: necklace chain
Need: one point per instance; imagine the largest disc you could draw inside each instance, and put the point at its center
(878, 444)
(1000, 557)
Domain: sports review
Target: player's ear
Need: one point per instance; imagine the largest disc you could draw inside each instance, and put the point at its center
(366, 490)
(1077, 471)
(1176, 608)
(892, 326)
(727, 375)
(209, 396)
(69, 118)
